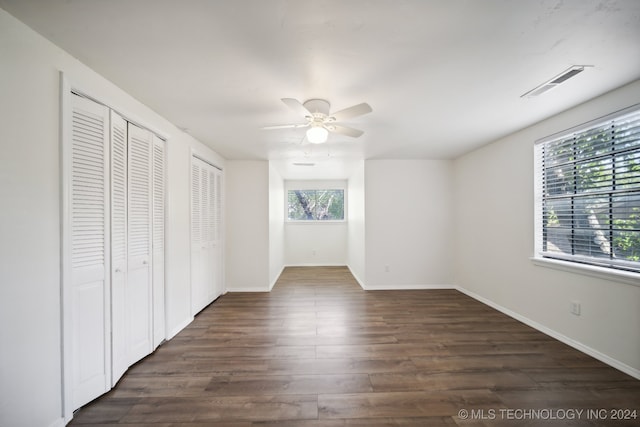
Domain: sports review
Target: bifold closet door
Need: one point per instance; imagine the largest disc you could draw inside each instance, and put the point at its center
(216, 233)
(158, 162)
(119, 259)
(206, 251)
(86, 310)
(209, 218)
(138, 290)
(113, 237)
(198, 227)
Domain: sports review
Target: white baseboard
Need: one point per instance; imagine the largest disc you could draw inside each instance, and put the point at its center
(273, 283)
(58, 423)
(249, 289)
(393, 287)
(322, 264)
(406, 287)
(176, 330)
(355, 276)
(557, 335)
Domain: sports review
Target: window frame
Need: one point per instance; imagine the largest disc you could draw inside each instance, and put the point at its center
(619, 270)
(318, 186)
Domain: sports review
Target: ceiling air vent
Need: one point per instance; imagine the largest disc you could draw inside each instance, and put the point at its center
(559, 79)
(303, 164)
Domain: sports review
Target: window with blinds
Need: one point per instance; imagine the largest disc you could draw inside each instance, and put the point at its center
(588, 193)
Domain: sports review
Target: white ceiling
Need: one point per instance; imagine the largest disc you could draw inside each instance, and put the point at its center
(442, 76)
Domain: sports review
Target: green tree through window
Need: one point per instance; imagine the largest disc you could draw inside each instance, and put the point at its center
(315, 205)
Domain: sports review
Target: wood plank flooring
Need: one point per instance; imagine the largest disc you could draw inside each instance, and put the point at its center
(319, 351)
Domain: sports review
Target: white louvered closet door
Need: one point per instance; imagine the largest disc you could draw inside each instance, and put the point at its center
(206, 248)
(196, 234)
(119, 237)
(200, 231)
(138, 293)
(158, 240)
(216, 242)
(87, 317)
(208, 216)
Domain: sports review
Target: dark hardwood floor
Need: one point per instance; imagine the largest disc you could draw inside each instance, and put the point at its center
(319, 351)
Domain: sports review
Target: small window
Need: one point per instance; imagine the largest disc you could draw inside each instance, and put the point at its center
(315, 205)
(588, 193)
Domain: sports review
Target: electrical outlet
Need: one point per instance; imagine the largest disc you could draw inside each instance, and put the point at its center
(387, 269)
(313, 252)
(575, 308)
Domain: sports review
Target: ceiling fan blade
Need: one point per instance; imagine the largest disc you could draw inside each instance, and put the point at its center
(295, 126)
(297, 106)
(343, 130)
(347, 113)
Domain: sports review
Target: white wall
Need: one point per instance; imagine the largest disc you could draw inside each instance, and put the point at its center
(356, 224)
(29, 229)
(409, 224)
(247, 225)
(318, 243)
(315, 244)
(276, 225)
(30, 374)
(494, 242)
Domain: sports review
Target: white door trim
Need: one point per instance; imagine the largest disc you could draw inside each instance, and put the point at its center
(65, 247)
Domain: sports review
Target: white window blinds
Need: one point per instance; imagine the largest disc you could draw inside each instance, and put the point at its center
(588, 193)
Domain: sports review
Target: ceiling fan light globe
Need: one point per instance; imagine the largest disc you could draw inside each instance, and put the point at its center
(317, 135)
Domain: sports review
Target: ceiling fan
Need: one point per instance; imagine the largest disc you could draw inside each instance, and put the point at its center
(320, 122)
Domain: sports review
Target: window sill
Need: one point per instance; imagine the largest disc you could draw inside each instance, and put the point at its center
(302, 222)
(621, 276)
